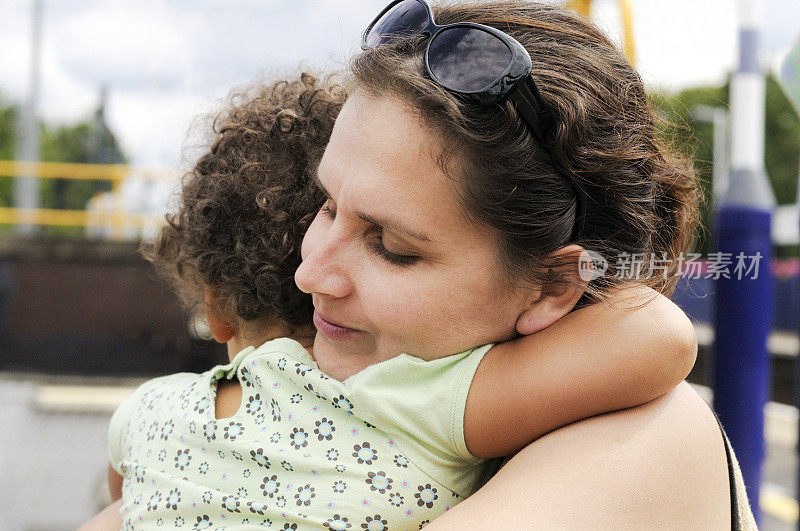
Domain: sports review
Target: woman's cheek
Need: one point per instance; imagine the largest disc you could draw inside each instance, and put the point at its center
(408, 307)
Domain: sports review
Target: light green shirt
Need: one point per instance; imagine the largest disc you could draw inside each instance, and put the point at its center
(382, 450)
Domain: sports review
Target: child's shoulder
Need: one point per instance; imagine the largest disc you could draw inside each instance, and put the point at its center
(153, 396)
(166, 387)
(168, 382)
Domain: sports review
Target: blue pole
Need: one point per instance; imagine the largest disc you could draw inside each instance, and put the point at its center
(742, 323)
(743, 301)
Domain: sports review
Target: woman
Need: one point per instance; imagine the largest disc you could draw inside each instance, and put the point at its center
(453, 219)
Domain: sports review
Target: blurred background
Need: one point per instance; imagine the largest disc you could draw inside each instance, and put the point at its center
(104, 104)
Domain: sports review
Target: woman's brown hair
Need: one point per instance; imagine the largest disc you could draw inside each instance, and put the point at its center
(643, 200)
(247, 202)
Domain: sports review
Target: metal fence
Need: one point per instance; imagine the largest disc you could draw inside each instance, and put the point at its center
(108, 215)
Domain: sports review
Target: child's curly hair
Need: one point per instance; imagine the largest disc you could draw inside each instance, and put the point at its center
(246, 204)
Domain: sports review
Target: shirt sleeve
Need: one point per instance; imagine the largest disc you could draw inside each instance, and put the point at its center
(422, 400)
(461, 383)
(120, 422)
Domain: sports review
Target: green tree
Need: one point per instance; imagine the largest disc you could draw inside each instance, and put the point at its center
(782, 153)
(8, 119)
(76, 143)
(696, 139)
(90, 141)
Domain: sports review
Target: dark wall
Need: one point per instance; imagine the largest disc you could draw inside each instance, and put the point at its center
(92, 308)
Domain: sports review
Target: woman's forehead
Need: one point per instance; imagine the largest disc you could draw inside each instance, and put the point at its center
(382, 161)
(376, 140)
(384, 126)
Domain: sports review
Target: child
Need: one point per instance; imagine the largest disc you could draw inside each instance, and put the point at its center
(269, 439)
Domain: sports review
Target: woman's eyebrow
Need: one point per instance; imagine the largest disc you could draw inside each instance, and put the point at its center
(393, 225)
(387, 223)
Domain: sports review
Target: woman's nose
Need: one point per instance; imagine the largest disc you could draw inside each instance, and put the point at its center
(321, 271)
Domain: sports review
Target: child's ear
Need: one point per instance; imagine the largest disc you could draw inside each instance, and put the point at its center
(221, 329)
(547, 306)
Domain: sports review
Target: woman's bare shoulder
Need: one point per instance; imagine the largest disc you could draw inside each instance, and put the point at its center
(658, 465)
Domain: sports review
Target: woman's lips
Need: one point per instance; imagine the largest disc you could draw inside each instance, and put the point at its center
(333, 330)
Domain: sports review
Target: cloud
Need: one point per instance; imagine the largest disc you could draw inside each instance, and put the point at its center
(164, 61)
(685, 42)
(781, 17)
(152, 127)
(15, 43)
(129, 45)
(252, 37)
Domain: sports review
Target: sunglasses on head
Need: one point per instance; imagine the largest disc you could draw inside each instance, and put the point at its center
(479, 63)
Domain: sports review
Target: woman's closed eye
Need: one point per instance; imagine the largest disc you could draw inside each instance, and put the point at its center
(377, 246)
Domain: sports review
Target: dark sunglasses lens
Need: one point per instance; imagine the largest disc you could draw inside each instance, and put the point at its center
(467, 59)
(406, 18)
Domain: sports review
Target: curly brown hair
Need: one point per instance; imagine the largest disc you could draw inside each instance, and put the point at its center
(247, 202)
(604, 136)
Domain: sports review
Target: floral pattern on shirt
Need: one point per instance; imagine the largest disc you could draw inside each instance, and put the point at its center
(290, 456)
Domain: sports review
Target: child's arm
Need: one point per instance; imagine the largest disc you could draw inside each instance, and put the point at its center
(591, 361)
(105, 520)
(109, 517)
(114, 484)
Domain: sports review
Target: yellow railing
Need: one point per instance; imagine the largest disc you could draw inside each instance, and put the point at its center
(63, 170)
(584, 7)
(117, 218)
(73, 218)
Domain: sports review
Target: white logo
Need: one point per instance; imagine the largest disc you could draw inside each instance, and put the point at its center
(591, 265)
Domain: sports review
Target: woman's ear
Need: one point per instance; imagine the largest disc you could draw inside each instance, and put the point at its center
(547, 306)
(221, 329)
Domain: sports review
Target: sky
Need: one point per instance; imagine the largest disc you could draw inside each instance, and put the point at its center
(168, 63)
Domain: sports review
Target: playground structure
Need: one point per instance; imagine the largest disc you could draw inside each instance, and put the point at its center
(584, 7)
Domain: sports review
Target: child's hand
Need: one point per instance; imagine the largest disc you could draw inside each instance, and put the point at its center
(106, 519)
